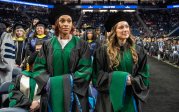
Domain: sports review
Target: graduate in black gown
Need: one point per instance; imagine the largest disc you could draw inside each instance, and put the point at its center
(20, 42)
(90, 37)
(63, 69)
(40, 35)
(121, 73)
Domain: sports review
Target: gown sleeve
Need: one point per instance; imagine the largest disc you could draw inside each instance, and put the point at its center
(140, 76)
(83, 71)
(40, 70)
(28, 47)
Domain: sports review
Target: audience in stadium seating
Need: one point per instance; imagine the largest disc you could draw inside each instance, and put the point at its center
(157, 21)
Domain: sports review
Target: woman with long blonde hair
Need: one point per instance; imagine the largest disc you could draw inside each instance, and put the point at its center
(120, 69)
(19, 38)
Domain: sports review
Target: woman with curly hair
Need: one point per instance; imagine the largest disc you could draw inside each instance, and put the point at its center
(121, 73)
(62, 68)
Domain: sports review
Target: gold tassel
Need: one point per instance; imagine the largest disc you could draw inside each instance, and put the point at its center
(27, 64)
(27, 67)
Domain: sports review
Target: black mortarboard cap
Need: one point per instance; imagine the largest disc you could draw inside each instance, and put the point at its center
(98, 27)
(18, 26)
(115, 18)
(35, 17)
(58, 11)
(89, 28)
(40, 23)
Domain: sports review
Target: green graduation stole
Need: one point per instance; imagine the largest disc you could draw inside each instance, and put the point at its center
(120, 100)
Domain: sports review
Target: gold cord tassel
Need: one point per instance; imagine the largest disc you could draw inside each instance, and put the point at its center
(27, 67)
(27, 64)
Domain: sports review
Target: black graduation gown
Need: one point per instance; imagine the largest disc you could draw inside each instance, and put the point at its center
(31, 43)
(53, 61)
(20, 51)
(102, 77)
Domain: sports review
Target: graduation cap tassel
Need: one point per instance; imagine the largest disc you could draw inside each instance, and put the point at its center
(27, 64)
(27, 67)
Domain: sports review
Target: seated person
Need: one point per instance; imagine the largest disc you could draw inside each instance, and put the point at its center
(23, 91)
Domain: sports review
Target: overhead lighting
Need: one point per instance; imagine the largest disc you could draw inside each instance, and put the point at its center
(113, 10)
(87, 10)
(129, 10)
(115, 7)
(103, 10)
(28, 3)
(172, 6)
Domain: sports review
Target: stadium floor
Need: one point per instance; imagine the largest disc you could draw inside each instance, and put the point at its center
(164, 87)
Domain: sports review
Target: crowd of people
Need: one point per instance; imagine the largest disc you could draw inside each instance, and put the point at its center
(96, 66)
(165, 49)
(98, 19)
(157, 21)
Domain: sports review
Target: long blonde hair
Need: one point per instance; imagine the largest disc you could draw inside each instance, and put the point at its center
(15, 36)
(113, 48)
